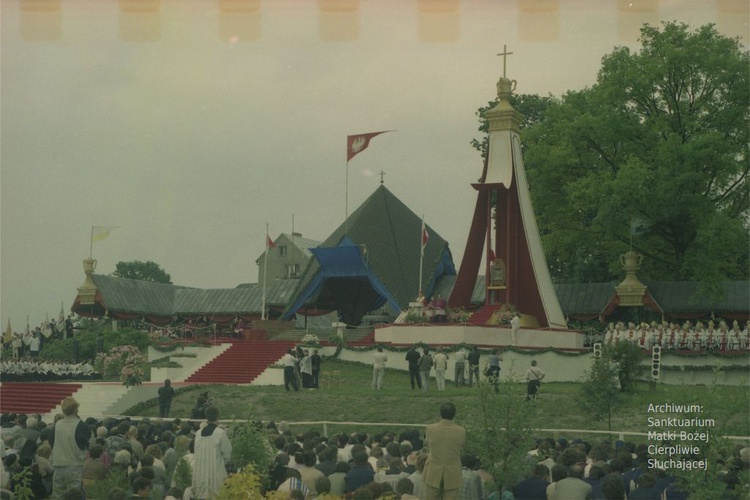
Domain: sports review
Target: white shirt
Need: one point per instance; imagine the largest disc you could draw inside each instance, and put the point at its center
(460, 356)
(440, 361)
(289, 360)
(534, 373)
(379, 359)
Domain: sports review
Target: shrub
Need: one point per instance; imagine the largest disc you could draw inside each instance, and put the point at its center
(89, 342)
(183, 474)
(500, 432)
(102, 487)
(628, 357)
(600, 391)
(251, 450)
(123, 361)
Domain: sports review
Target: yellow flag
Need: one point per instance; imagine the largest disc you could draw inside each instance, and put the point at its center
(8, 334)
(99, 233)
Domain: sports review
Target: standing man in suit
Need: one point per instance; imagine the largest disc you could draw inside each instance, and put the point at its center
(442, 472)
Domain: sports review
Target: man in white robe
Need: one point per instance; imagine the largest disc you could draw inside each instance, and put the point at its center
(212, 452)
(515, 325)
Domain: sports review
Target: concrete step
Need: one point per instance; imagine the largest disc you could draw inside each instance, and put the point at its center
(93, 400)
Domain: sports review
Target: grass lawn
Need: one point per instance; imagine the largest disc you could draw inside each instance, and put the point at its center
(354, 401)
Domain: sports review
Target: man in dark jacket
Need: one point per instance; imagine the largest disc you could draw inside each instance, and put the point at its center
(166, 393)
(360, 474)
(413, 358)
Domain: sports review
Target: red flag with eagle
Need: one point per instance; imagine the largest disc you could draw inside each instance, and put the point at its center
(269, 242)
(357, 143)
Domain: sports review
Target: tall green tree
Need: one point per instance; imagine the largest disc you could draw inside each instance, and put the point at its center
(500, 431)
(145, 271)
(654, 155)
(599, 393)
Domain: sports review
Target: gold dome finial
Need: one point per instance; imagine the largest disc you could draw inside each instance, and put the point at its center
(505, 87)
(631, 290)
(87, 291)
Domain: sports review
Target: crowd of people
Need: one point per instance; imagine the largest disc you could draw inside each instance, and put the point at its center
(37, 370)
(30, 342)
(27, 344)
(422, 364)
(301, 369)
(693, 337)
(67, 458)
(434, 309)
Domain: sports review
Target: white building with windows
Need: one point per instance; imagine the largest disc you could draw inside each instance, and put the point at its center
(289, 259)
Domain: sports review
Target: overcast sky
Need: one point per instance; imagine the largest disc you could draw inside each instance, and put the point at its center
(191, 124)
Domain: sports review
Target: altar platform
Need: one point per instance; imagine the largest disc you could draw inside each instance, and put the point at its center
(487, 336)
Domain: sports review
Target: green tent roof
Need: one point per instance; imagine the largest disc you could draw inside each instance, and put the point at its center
(389, 234)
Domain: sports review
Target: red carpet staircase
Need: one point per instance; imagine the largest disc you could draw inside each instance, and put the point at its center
(483, 315)
(241, 363)
(364, 341)
(33, 397)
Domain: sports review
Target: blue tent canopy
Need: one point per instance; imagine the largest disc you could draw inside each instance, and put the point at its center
(341, 261)
(346, 280)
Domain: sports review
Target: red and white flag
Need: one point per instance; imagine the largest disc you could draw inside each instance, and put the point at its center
(425, 237)
(269, 242)
(357, 143)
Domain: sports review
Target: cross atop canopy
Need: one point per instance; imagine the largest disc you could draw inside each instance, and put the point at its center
(504, 53)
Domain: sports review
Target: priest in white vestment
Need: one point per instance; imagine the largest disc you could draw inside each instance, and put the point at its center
(212, 452)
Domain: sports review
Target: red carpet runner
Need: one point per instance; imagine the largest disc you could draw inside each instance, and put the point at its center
(483, 315)
(241, 363)
(33, 397)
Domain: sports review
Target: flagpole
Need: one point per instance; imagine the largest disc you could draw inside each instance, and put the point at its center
(346, 201)
(293, 248)
(421, 253)
(91, 244)
(265, 267)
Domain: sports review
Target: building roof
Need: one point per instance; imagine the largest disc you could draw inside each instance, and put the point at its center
(246, 299)
(673, 297)
(683, 297)
(135, 296)
(149, 298)
(584, 298)
(299, 241)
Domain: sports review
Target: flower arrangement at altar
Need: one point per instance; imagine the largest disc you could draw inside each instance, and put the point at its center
(310, 340)
(458, 315)
(502, 316)
(124, 361)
